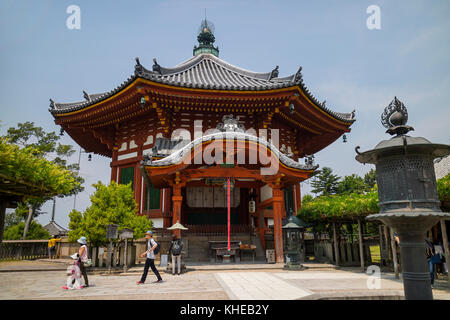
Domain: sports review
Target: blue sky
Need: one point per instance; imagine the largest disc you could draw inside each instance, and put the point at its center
(344, 63)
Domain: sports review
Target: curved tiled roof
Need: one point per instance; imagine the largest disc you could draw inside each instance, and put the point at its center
(205, 71)
(183, 148)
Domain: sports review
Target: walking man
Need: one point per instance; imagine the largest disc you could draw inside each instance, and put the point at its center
(150, 261)
(175, 248)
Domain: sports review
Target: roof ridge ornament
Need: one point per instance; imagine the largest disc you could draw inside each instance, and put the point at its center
(156, 67)
(86, 96)
(395, 117)
(138, 68)
(298, 75)
(274, 73)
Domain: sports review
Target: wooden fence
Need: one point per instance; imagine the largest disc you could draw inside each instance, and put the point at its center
(23, 249)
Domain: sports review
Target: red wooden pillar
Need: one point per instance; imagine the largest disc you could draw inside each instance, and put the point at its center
(298, 198)
(137, 186)
(278, 209)
(114, 174)
(115, 168)
(177, 199)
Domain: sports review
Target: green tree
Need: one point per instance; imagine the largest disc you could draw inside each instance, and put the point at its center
(325, 182)
(370, 179)
(351, 184)
(36, 231)
(443, 187)
(27, 175)
(110, 204)
(46, 145)
(340, 206)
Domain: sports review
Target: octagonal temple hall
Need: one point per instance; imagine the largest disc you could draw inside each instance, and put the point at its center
(178, 133)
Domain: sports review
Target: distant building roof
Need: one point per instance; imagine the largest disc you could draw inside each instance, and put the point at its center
(442, 167)
(55, 229)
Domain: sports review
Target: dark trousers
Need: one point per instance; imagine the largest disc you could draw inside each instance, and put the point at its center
(431, 269)
(150, 263)
(84, 273)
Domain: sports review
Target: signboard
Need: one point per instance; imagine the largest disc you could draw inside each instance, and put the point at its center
(126, 234)
(111, 231)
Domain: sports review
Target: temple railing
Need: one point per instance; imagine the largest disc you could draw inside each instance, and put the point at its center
(216, 229)
(23, 249)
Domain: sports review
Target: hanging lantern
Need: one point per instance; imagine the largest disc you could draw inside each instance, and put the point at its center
(252, 206)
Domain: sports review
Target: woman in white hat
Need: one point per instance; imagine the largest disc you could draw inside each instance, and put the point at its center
(83, 254)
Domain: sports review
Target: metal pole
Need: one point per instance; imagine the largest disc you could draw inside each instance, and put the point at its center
(75, 196)
(228, 203)
(53, 209)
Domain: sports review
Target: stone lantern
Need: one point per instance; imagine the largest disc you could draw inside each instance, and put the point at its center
(292, 240)
(407, 192)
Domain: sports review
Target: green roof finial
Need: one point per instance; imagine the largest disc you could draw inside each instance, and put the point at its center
(206, 39)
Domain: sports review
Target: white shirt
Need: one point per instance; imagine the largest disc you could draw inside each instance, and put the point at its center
(438, 249)
(150, 244)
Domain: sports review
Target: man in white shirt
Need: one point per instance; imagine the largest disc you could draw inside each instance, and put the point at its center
(150, 261)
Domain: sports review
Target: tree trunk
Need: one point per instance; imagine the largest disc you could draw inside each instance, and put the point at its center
(31, 210)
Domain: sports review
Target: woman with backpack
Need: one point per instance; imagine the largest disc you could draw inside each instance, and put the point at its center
(152, 249)
(175, 248)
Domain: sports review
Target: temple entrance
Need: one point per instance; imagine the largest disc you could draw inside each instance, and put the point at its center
(207, 205)
(198, 193)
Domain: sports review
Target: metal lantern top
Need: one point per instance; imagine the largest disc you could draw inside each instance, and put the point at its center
(404, 165)
(291, 225)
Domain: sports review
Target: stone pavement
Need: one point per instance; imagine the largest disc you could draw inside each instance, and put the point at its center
(212, 283)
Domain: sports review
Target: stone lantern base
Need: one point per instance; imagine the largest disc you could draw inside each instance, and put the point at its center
(411, 228)
(295, 262)
(291, 266)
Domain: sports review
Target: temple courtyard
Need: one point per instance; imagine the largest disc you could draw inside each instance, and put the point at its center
(42, 279)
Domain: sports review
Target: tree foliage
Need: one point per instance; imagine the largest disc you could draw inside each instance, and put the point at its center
(351, 184)
(370, 178)
(26, 166)
(35, 232)
(340, 206)
(324, 182)
(44, 149)
(110, 204)
(443, 187)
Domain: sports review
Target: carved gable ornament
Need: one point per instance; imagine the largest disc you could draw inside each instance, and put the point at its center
(230, 124)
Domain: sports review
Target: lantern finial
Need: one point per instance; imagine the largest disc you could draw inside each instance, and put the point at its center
(395, 117)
